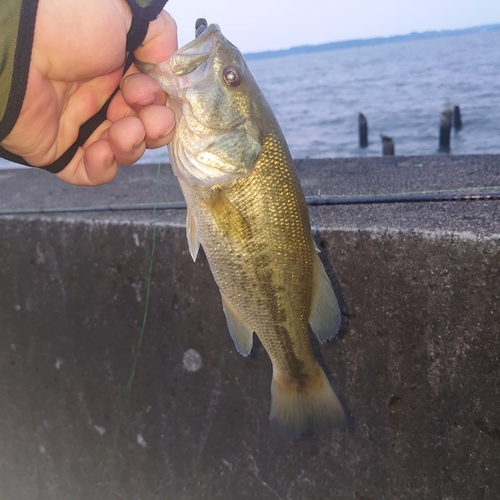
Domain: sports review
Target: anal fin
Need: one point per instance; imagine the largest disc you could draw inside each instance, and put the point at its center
(240, 330)
(325, 316)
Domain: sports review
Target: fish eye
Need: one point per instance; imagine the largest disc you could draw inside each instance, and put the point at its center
(232, 76)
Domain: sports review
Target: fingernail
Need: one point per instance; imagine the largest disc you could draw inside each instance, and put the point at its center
(168, 131)
(151, 99)
(109, 161)
(139, 143)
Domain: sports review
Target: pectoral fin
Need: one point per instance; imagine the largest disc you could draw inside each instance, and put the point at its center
(240, 330)
(192, 236)
(325, 314)
(230, 222)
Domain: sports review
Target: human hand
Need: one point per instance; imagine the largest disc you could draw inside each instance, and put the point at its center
(77, 62)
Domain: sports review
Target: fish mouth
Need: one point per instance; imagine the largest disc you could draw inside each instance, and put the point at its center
(192, 55)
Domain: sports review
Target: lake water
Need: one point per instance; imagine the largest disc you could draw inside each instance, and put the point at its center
(401, 88)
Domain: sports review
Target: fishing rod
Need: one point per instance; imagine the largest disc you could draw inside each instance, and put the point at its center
(401, 198)
(314, 200)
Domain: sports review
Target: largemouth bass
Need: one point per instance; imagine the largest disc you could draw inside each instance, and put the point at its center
(246, 207)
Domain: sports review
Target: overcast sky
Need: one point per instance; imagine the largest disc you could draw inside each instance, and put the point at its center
(259, 25)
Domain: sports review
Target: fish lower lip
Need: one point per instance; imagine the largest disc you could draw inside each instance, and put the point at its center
(200, 30)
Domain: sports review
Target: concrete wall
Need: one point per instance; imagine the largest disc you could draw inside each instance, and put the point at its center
(87, 414)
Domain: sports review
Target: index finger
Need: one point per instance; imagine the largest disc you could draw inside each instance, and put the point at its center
(161, 40)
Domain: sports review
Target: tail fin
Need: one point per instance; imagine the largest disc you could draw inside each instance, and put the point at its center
(301, 409)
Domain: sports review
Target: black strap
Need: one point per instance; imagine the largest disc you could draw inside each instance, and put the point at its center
(137, 33)
(141, 16)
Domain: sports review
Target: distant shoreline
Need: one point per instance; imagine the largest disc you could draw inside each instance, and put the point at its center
(426, 35)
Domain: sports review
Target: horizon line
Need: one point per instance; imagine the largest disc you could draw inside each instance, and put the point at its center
(359, 42)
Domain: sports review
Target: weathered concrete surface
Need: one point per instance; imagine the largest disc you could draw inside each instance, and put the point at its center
(85, 414)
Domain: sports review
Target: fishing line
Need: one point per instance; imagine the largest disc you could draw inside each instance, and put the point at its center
(124, 397)
(485, 193)
(148, 285)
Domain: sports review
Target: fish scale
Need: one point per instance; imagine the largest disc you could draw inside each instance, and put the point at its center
(247, 209)
(276, 263)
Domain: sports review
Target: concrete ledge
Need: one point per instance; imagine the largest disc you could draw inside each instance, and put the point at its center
(85, 413)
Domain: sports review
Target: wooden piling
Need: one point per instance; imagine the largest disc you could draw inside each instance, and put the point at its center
(445, 130)
(457, 119)
(387, 145)
(363, 131)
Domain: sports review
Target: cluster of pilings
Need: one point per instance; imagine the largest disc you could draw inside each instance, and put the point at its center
(449, 117)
